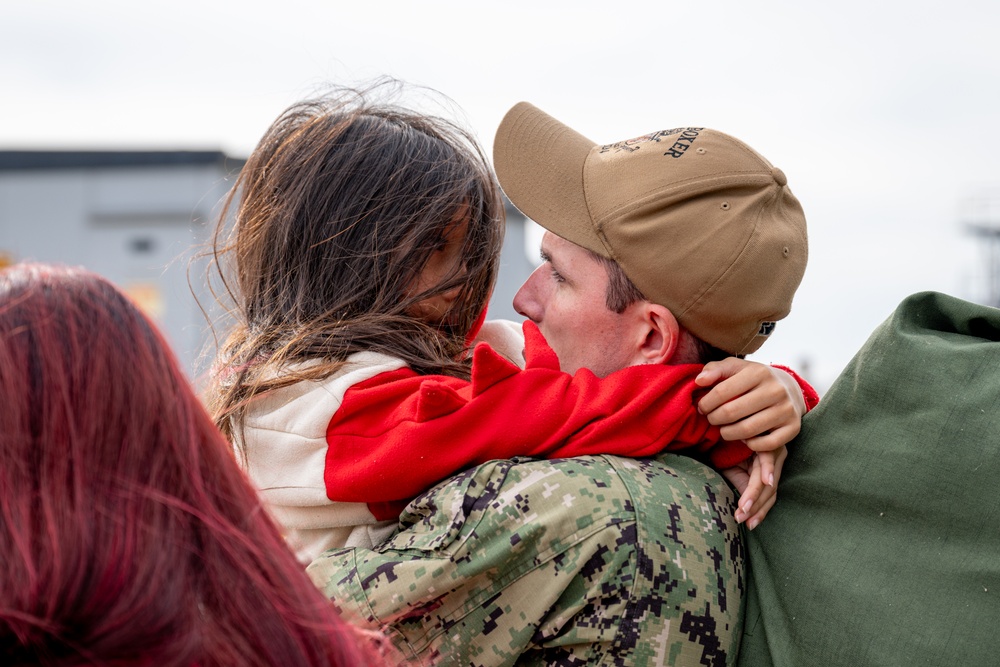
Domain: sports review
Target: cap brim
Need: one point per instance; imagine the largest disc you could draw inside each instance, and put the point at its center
(539, 163)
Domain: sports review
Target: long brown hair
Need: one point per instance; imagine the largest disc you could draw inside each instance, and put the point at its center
(128, 534)
(337, 210)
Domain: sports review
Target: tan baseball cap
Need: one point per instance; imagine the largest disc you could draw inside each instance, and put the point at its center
(698, 220)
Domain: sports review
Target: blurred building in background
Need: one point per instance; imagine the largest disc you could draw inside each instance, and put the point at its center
(142, 220)
(139, 218)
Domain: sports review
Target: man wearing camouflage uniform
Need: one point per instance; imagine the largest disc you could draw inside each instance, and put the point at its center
(599, 560)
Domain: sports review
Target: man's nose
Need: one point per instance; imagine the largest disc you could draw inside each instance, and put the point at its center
(526, 301)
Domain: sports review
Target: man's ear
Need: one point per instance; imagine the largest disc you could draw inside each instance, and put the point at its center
(662, 335)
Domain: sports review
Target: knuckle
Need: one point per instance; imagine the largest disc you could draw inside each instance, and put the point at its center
(723, 414)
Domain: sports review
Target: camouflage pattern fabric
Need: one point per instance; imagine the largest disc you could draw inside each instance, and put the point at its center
(595, 560)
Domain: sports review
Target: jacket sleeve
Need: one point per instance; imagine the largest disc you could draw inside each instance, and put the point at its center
(809, 393)
(399, 433)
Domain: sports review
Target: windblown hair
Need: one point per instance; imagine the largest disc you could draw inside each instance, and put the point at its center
(337, 211)
(128, 534)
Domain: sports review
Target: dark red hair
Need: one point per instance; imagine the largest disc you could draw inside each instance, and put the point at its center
(128, 535)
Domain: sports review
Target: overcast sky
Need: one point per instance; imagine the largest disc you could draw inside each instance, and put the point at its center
(883, 115)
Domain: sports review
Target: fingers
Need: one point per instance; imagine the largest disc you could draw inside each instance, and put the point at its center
(758, 404)
(764, 507)
(751, 389)
(770, 441)
(750, 497)
(765, 430)
(734, 377)
(755, 420)
(756, 512)
(737, 476)
(766, 461)
(779, 463)
(719, 370)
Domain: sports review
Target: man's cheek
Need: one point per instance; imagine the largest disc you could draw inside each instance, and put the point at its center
(558, 345)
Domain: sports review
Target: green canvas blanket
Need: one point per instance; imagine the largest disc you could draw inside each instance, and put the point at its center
(884, 546)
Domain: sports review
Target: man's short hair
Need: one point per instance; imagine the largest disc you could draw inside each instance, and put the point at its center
(622, 293)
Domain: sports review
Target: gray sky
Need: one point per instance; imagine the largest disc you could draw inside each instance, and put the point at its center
(884, 115)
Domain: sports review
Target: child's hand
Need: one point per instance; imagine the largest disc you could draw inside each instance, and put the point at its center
(761, 405)
(756, 479)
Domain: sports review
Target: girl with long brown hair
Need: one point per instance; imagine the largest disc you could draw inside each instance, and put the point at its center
(362, 256)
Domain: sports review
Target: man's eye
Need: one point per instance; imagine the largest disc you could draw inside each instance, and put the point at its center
(556, 276)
